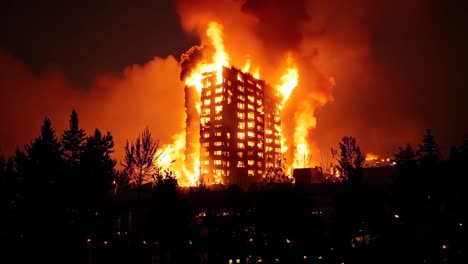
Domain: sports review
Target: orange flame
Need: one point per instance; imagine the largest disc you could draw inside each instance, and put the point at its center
(371, 157)
(289, 80)
(172, 157)
(304, 122)
(219, 59)
(247, 67)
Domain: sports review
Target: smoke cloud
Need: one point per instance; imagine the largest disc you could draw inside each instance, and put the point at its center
(363, 64)
(144, 95)
(382, 71)
(192, 57)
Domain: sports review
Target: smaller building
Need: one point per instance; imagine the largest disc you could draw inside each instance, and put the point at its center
(305, 176)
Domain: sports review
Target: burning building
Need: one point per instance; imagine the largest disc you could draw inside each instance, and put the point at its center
(239, 127)
(233, 133)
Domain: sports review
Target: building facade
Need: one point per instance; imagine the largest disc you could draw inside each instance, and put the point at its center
(239, 128)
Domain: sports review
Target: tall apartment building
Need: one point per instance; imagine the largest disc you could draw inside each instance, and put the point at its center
(239, 127)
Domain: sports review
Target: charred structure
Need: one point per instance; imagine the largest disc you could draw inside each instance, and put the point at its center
(239, 128)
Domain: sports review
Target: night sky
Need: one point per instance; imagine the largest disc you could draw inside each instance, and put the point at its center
(87, 37)
(399, 66)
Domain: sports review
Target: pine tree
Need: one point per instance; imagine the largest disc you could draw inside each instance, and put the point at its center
(97, 167)
(405, 172)
(41, 171)
(405, 161)
(73, 139)
(429, 152)
(44, 157)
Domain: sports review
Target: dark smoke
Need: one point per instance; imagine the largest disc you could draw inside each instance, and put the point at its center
(192, 57)
(279, 22)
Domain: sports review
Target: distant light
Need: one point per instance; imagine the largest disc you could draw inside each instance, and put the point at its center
(460, 224)
(319, 257)
(397, 216)
(190, 242)
(444, 246)
(237, 260)
(144, 242)
(305, 257)
(250, 239)
(114, 182)
(288, 241)
(106, 242)
(88, 240)
(230, 261)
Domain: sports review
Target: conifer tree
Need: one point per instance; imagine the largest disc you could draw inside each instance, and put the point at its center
(44, 157)
(73, 139)
(405, 172)
(405, 161)
(429, 152)
(97, 167)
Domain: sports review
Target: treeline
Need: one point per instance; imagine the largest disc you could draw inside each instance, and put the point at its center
(55, 191)
(60, 191)
(63, 200)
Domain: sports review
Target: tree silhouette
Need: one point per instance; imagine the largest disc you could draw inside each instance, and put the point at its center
(140, 159)
(405, 175)
(351, 160)
(44, 157)
(73, 139)
(165, 184)
(277, 173)
(201, 184)
(429, 152)
(97, 167)
(459, 154)
(405, 163)
(40, 172)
